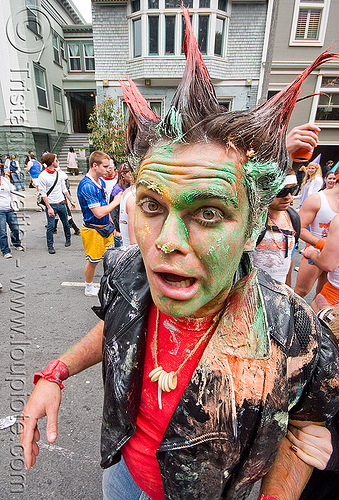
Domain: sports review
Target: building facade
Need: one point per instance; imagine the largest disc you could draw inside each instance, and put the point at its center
(47, 77)
(142, 39)
(305, 28)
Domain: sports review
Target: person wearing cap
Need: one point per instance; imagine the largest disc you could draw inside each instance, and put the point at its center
(276, 243)
(315, 215)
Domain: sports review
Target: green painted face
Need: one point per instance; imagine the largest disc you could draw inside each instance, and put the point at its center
(190, 222)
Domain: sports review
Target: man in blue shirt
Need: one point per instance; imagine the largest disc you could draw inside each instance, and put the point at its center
(98, 230)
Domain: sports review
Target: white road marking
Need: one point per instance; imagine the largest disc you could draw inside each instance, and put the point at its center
(66, 453)
(76, 283)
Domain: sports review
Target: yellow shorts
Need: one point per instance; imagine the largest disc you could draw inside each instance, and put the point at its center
(94, 244)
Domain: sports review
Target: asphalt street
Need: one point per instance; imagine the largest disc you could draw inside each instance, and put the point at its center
(40, 318)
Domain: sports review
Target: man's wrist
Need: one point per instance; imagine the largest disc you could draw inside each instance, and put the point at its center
(267, 497)
(56, 371)
(320, 244)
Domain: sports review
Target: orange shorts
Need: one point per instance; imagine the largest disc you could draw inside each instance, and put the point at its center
(330, 293)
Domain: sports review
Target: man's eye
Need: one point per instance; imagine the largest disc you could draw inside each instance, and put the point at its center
(209, 216)
(150, 206)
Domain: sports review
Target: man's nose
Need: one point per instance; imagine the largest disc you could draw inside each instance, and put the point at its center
(173, 236)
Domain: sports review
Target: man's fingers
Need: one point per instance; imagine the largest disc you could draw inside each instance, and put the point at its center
(52, 424)
(308, 459)
(28, 430)
(36, 435)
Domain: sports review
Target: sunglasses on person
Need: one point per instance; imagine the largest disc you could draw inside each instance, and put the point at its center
(288, 190)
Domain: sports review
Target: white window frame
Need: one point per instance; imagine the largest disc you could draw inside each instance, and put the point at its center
(144, 13)
(62, 48)
(315, 103)
(56, 48)
(43, 71)
(324, 7)
(58, 106)
(32, 10)
(74, 57)
(88, 57)
(226, 100)
(149, 99)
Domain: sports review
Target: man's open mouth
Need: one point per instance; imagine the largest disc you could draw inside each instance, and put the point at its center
(177, 281)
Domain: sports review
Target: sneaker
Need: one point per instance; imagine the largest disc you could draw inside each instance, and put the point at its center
(67, 244)
(92, 292)
(51, 250)
(19, 248)
(8, 255)
(55, 231)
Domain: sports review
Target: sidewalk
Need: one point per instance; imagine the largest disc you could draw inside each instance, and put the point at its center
(26, 200)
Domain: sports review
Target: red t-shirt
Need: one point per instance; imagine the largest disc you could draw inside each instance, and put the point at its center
(177, 337)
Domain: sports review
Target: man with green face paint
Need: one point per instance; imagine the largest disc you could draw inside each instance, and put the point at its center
(204, 358)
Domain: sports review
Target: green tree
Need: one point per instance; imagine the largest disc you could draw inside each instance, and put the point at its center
(107, 127)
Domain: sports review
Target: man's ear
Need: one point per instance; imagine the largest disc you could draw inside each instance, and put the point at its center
(251, 242)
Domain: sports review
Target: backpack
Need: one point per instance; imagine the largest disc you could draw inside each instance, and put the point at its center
(13, 166)
(295, 220)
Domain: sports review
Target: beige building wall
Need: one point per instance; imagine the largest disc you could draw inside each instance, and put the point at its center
(294, 50)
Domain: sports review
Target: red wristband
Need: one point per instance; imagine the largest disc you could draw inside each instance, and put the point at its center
(56, 371)
(320, 244)
(267, 497)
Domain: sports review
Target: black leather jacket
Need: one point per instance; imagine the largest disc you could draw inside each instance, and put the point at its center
(268, 359)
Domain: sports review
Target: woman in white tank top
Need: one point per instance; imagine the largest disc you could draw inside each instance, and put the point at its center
(127, 206)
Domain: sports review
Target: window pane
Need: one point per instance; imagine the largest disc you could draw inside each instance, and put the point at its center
(183, 27)
(153, 22)
(41, 87)
(33, 22)
(156, 107)
(170, 34)
(328, 108)
(74, 49)
(314, 25)
(222, 5)
(153, 4)
(219, 36)
(137, 37)
(55, 41)
(62, 48)
(204, 4)
(308, 24)
(330, 81)
(74, 64)
(89, 64)
(39, 78)
(42, 97)
(135, 4)
(57, 95)
(203, 33)
(89, 49)
(171, 4)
